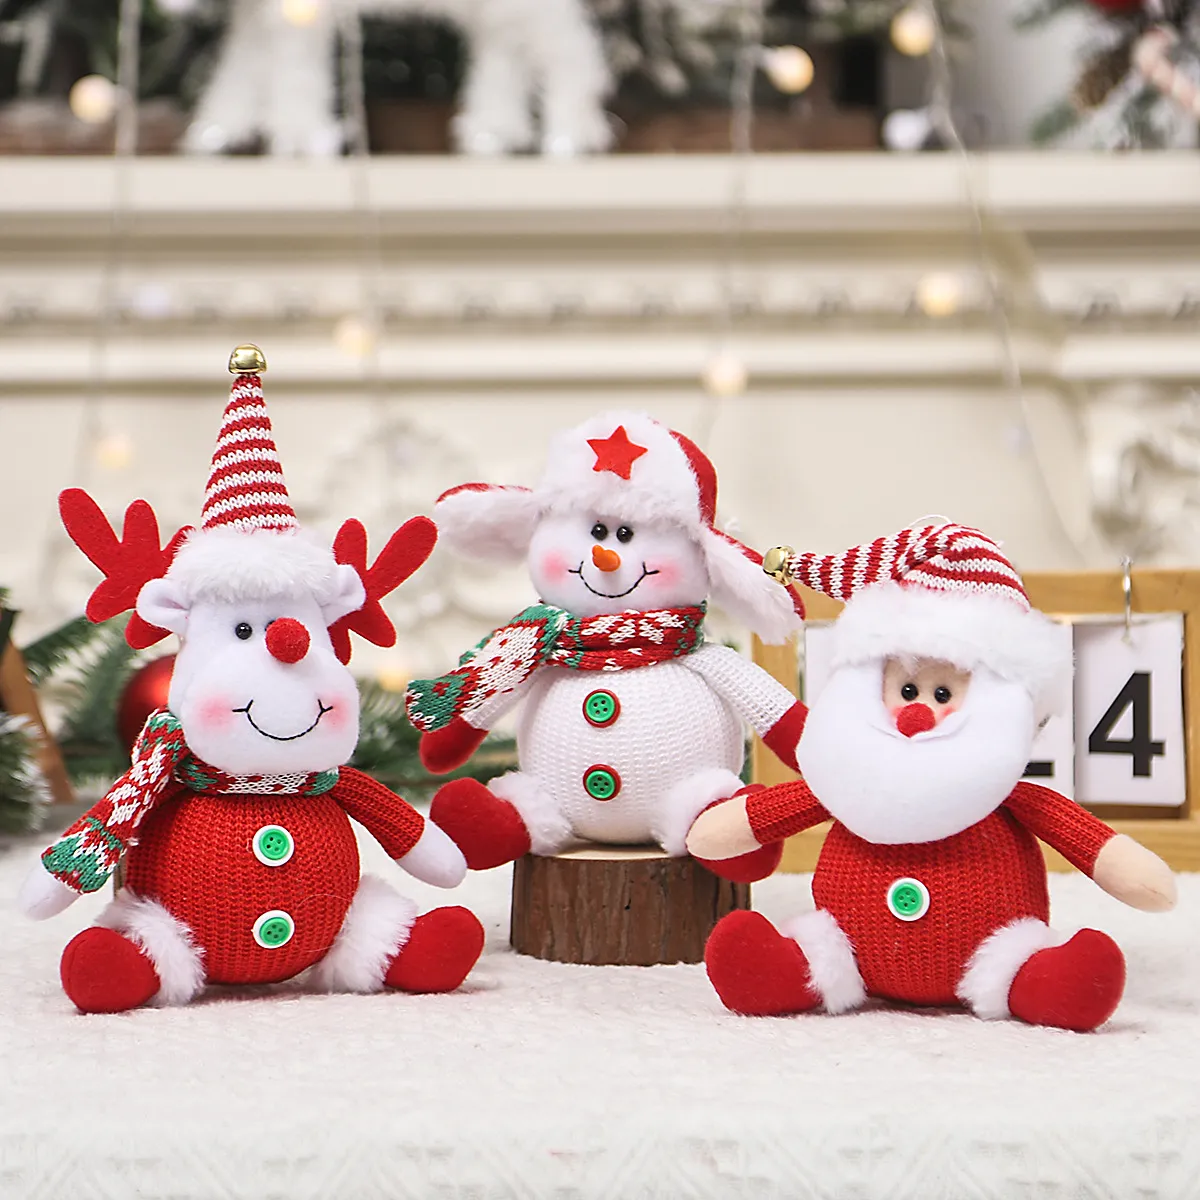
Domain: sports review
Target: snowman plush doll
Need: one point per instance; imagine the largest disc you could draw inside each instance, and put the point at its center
(233, 821)
(930, 888)
(630, 722)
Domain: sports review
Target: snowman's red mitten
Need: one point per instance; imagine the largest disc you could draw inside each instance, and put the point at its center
(442, 750)
(1077, 985)
(488, 830)
(784, 736)
(751, 866)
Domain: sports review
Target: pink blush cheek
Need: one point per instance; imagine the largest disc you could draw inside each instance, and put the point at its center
(668, 574)
(553, 566)
(337, 716)
(216, 713)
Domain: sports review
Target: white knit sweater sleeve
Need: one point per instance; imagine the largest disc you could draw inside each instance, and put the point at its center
(758, 698)
(491, 710)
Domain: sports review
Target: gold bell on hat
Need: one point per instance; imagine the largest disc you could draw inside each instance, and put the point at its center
(775, 563)
(247, 360)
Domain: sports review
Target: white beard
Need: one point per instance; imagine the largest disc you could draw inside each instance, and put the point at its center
(894, 790)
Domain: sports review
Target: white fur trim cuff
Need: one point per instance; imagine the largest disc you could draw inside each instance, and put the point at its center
(165, 940)
(989, 976)
(375, 930)
(549, 830)
(888, 620)
(685, 802)
(830, 957)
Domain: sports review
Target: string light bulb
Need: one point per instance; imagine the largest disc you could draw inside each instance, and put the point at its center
(393, 676)
(725, 375)
(939, 294)
(914, 30)
(789, 68)
(907, 128)
(300, 13)
(114, 451)
(93, 99)
(354, 337)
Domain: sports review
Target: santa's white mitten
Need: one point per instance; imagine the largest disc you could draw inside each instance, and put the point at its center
(43, 895)
(435, 859)
(1134, 875)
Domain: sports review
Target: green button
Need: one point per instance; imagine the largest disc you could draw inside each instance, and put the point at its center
(602, 783)
(273, 845)
(601, 708)
(274, 929)
(908, 899)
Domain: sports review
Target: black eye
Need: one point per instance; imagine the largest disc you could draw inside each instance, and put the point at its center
(624, 534)
(910, 692)
(243, 631)
(942, 694)
(599, 531)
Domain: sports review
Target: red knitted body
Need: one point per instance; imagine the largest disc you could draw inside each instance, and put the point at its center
(978, 880)
(194, 856)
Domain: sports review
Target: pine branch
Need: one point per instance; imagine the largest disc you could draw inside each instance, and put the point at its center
(23, 791)
(48, 653)
(1060, 118)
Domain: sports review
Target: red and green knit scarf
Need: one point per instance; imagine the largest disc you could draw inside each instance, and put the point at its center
(87, 854)
(545, 636)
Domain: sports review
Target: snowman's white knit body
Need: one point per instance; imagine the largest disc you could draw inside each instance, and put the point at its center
(619, 533)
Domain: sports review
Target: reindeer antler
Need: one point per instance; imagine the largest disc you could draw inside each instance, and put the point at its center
(405, 551)
(128, 562)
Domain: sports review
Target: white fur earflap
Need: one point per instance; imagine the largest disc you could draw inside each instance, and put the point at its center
(889, 620)
(231, 564)
(166, 941)
(494, 523)
(746, 592)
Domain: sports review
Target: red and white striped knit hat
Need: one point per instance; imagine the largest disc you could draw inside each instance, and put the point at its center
(623, 465)
(250, 544)
(942, 591)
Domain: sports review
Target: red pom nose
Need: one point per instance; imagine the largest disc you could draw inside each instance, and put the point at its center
(287, 640)
(915, 718)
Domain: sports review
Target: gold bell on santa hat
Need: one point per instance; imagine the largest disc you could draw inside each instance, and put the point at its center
(247, 360)
(775, 563)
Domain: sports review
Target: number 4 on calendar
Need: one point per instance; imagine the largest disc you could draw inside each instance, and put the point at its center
(1129, 746)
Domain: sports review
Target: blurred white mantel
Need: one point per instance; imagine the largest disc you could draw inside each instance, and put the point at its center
(516, 296)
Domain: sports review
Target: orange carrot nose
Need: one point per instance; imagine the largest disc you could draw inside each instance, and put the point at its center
(606, 560)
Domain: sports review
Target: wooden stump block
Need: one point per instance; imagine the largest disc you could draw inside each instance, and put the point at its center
(617, 906)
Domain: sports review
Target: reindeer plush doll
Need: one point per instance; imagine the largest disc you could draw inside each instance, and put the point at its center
(233, 822)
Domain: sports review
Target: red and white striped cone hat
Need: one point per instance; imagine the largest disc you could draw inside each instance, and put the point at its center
(629, 465)
(250, 544)
(942, 591)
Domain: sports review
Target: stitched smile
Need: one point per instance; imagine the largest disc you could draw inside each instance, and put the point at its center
(610, 595)
(322, 709)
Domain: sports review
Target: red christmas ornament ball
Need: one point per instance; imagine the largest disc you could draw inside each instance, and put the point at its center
(1116, 6)
(146, 691)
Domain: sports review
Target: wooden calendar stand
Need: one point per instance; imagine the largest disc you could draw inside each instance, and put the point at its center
(1172, 833)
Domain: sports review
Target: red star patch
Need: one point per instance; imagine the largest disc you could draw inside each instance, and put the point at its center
(617, 453)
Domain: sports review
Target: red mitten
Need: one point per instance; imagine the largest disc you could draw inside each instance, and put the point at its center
(103, 972)
(444, 749)
(441, 949)
(784, 736)
(755, 969)
(489, 831)
(1077, 985)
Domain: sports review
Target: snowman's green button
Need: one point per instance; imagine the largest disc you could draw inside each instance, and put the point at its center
(274, 929)
(601, 782)
(273, 846)
(601, 708)
(908, 899)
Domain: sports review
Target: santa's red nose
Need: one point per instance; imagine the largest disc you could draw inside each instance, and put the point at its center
(915, 718)
(287, 640)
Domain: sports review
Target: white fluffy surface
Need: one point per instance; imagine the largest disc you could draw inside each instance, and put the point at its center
(543, 1080)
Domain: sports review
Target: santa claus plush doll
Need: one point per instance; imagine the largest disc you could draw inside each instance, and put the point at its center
(931, 887)
(233, 822)
(631, 723)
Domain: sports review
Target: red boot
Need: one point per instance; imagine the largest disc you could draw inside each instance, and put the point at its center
(103, 972)
(442, 947)
(489, 831)
(752, 866)
(1077, 985)
(755, 969)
